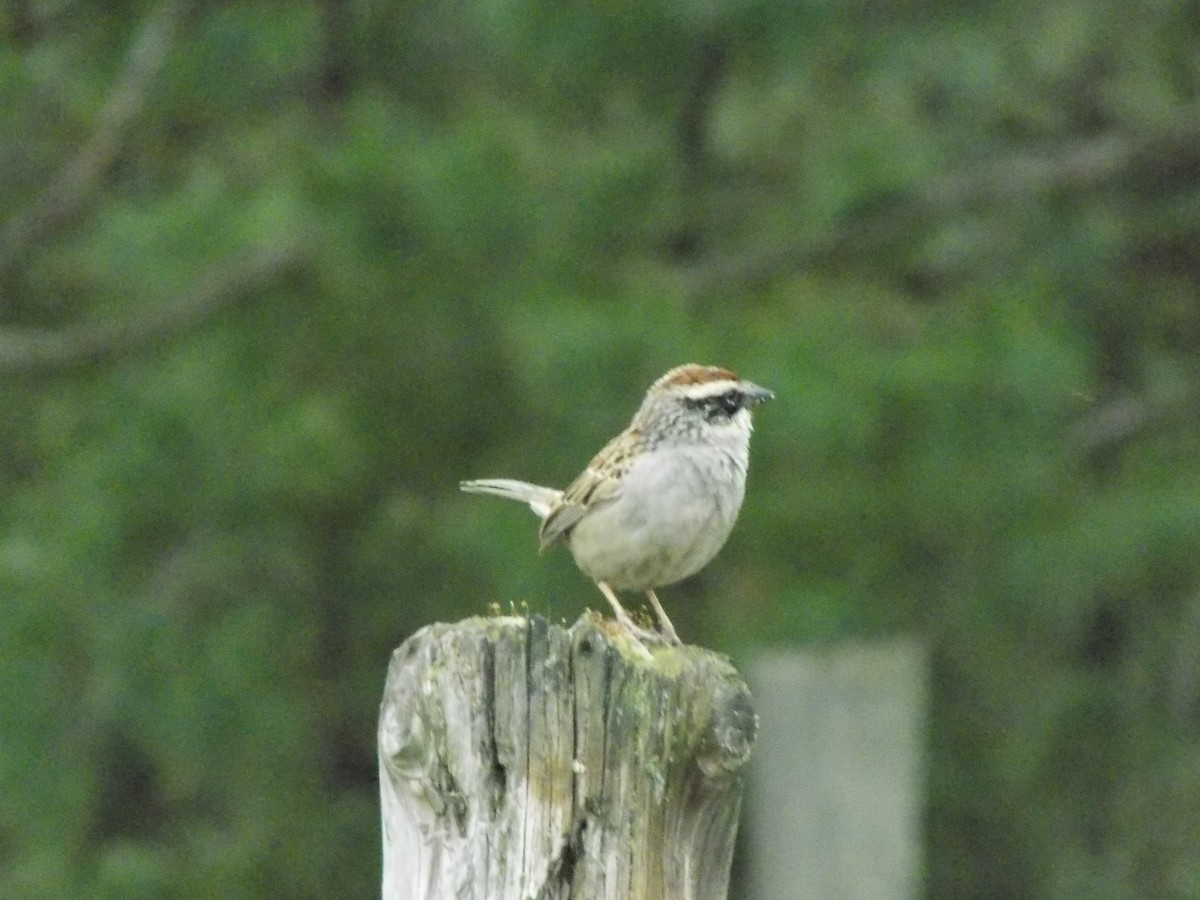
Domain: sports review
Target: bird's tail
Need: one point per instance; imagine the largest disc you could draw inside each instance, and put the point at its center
(540, 499)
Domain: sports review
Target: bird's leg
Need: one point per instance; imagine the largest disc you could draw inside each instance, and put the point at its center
(623, 617)
(664, 624)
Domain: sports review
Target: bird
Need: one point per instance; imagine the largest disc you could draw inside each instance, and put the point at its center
(658, 502)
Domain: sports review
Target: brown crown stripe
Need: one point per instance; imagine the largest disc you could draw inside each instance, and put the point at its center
(694, 374)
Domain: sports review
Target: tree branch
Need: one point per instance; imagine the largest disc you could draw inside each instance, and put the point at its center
(43, 352)
(75, 183)
(691, 129)
(1083, 165)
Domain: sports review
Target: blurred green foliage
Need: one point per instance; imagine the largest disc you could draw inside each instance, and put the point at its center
(275, 276)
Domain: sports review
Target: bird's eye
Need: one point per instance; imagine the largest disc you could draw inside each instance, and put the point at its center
(724, 406)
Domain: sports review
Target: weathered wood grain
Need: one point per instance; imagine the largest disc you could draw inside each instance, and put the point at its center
(525, 760)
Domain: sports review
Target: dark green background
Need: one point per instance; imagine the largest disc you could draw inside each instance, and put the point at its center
(275, 276)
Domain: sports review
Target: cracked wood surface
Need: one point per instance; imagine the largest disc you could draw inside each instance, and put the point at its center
(526, 761)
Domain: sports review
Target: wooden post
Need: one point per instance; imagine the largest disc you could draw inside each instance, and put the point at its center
(525, 761)
(837, 781)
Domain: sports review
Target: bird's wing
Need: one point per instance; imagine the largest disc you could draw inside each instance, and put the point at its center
(599, 483)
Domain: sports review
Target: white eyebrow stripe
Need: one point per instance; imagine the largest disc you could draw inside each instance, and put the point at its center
(709, 389)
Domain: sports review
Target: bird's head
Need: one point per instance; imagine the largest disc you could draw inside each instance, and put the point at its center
(699, 399)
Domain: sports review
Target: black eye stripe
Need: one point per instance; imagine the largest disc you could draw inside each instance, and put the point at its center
(726, 404)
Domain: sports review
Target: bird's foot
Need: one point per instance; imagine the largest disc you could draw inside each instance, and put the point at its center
(636, 631)
(664, 624)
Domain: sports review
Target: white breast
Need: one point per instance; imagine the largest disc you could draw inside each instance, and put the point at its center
(675, 508)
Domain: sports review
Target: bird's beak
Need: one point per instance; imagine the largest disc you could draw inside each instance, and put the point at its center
(755, 394)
